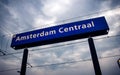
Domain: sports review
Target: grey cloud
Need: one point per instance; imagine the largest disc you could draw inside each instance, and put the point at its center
(115, 3)
(4, 1)
(19, 14)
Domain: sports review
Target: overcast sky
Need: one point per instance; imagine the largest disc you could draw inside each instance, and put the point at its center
(17, 16)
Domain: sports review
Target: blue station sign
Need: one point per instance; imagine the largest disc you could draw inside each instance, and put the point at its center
(61, 33)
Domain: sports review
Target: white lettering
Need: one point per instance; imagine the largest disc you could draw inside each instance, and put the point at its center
(84, 26)
(42, 34)
(34, 35)
(23, 38)
(31, 36)
(76, 27)
(61, 30)
(53, 32)
(28, 37)
(18, 39)
(38, 35)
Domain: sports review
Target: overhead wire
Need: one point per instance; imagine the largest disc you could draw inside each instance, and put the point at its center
(5, 28)
(69, 62)
(2, 52)
(6, 54)
(59, 45)
(74, 61)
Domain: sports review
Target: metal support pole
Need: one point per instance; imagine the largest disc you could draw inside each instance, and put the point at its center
(24, 62)
(118, 61)
(94, 57)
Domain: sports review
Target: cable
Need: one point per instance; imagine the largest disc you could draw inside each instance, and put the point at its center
(72, 43)
(11, 53)
(2, 52)
(21, 59)
(9, 69)
(75, 61)
(61, 45)
(59, 63)
(53, 47)
(58, 46)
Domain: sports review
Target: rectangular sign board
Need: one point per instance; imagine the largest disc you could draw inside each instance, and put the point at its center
(61, 33)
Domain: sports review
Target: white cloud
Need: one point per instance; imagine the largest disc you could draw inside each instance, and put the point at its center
(42, 23)
(54, 8)
(115, 51)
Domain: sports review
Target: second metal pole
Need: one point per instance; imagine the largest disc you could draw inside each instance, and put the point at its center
(94, 57)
